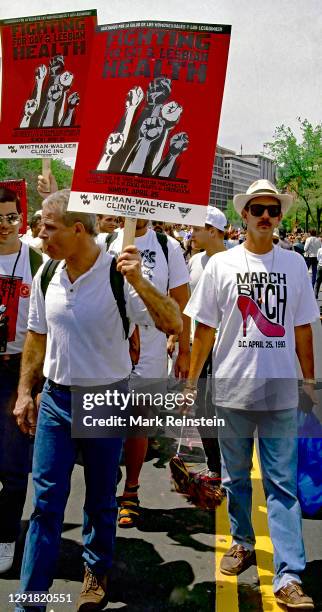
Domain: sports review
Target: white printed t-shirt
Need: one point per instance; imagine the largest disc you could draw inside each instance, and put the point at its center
(246, 361)
(15, 295)
(153, 343)
(85, 339)
(196, 266)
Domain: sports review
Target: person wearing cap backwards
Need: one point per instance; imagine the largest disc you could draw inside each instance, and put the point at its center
(261, 299)
(211, 239)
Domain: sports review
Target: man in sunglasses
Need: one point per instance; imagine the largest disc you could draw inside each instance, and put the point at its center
(260, 298)
(15, 284)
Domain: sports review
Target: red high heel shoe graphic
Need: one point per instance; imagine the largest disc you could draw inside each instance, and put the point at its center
(249, 308)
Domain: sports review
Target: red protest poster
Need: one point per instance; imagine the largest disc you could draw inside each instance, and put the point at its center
(44, 66)
(19, 186)
(151, 117)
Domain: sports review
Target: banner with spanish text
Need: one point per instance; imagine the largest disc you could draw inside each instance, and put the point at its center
(45, 60)
(151, 117)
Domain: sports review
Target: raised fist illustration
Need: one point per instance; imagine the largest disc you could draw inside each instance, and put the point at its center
(152, 128)
(134, 97)
(56, 65)
(66, 79)
(114, 143)
(73, 100)
(55, 93)
(171, 113)
(178, 143)
(29, 110)
(41, 72)
(30, 107)
(158, 91)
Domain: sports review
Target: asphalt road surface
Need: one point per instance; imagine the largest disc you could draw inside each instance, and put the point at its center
(171, 561)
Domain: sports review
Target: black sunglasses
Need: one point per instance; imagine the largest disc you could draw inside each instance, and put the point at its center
(257, 210)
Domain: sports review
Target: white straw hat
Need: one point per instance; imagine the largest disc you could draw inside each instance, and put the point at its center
(260, 188)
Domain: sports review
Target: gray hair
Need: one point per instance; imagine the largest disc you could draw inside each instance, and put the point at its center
(58, 202)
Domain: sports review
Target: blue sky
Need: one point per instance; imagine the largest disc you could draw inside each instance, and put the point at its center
(275, 65)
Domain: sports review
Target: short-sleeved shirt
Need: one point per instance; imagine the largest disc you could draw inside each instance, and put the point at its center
(14, 296)
(85, 337)
(196, 266)
(163, 275)
(256, 340)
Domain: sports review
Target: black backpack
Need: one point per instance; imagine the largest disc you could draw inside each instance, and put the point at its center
(162, 239)
(117, 286)
(35, 260)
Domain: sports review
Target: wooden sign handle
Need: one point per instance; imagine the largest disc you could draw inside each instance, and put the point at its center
(129, 232)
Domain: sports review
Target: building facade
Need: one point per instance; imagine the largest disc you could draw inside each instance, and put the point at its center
(234, 173)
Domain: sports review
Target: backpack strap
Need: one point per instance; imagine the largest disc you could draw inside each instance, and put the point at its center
(47, 274)
(163, 242)
(35, 260)
(117, 286)
(109, 239)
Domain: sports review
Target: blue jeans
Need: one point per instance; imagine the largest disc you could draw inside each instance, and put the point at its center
(312, 261)
(14, 454)
(278, 457)
(54, 458)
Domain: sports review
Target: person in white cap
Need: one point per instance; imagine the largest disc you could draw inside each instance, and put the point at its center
(260, 297)
(211, 238)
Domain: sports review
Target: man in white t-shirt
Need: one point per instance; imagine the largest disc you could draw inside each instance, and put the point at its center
(76, 334)
(262, 299)
(319, 272)
(15, 286)
(106, 226)
(165, 268)
(311, 247)
(211, 239)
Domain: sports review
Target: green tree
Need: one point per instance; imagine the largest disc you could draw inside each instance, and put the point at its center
(299, 165)
(232, 216)
(29, 169)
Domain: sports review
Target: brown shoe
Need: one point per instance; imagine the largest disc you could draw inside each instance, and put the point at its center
(93, 595)
(236, 560)
(293, 596)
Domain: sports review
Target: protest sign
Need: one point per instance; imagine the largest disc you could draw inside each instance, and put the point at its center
(19, 187)
(151, 118)
(44, 66)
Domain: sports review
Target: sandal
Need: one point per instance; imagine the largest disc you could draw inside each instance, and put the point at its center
(129, 508)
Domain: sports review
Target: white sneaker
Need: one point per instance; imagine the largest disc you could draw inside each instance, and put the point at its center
(7, 551)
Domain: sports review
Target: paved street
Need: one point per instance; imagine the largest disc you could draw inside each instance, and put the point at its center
(171, 561)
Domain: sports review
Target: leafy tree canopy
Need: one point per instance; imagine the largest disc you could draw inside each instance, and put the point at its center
(299, 167)
(29, 169)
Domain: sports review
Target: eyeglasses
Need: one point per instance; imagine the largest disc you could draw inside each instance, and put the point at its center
(11, 218)
(257, 210)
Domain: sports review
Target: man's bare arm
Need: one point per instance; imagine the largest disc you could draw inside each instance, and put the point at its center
(164, 310)
(30, 373)
(304, 351)
(181, 295)
(202, 344)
